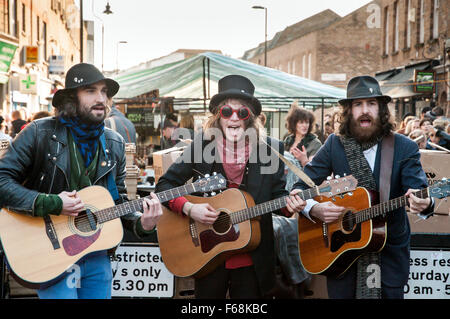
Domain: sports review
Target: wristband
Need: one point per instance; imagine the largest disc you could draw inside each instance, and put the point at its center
(189, 211)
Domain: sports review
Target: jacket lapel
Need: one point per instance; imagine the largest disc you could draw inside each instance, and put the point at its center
(59, 151)
(105, 163)
(254, 176)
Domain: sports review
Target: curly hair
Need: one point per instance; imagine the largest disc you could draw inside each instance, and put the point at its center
(387, 124)
(68, 106)
(297, 114)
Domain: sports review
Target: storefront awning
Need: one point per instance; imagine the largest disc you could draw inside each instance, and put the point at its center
(7, 51)
(398, 83)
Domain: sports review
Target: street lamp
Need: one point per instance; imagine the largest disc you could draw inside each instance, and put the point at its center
(265, 41)
(107, 9)
(117, 54)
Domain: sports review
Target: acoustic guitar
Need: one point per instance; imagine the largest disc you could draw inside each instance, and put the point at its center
(191, 248)
(39, 250)
(331, 248)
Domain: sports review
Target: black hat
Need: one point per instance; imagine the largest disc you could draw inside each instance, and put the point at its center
(236, 86)
(363, 87)
(80, 75)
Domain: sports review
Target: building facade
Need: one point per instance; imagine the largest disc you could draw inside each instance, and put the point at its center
(43, 40)
(326, 47)
(415, 48)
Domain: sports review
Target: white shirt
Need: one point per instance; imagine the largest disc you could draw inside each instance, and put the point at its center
(4, 136)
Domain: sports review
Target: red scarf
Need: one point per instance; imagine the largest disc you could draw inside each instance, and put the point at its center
(234, 156)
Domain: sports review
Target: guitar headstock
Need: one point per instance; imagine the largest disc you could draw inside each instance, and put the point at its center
(210, 183)
(440, 189)
(338, 185)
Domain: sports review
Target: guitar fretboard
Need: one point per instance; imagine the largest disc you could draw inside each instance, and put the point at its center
(111, 213)
(383, 208)
(270, 206)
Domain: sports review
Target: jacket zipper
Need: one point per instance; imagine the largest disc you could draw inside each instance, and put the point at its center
(105, 173)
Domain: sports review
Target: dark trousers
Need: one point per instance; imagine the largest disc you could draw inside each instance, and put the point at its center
(345, 287)
(240, 283)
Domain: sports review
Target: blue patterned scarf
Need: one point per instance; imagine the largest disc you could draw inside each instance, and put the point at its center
(85, 136)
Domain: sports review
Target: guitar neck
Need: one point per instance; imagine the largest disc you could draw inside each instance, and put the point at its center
(120, 210)
(270, 206)
(383, 208)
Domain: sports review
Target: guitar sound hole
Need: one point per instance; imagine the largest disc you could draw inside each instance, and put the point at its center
(348, 221)
(222, 223)
(82, 222)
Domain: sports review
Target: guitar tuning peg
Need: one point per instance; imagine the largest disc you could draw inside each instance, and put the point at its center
(206, 175)
(205, 194)
(337, 176)
(345, 174)
(214, 173)
(213, 193)
(329, 178)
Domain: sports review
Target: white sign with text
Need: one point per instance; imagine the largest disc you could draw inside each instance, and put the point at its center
(138, 271)
(429, 275)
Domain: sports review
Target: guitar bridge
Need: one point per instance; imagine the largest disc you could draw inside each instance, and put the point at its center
(193, 232)
(325, 234)
(51, 233)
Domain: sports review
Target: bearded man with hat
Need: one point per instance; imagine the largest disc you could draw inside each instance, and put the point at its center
(366, 132)
(231, 144)
(53, 158)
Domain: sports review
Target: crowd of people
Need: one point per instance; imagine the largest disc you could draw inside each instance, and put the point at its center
(351, 144)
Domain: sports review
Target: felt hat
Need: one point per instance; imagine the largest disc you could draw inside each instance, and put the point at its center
(83, 74)
(363, 87)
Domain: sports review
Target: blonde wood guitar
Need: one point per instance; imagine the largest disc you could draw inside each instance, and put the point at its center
(190, 248)
(39, 250)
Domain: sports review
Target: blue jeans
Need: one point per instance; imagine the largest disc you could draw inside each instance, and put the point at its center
(89, 278)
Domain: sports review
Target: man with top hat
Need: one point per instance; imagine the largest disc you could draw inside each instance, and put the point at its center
(365, 133)
(53, 158)
(233, 143)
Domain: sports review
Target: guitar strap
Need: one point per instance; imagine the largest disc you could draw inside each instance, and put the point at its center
(297, 171)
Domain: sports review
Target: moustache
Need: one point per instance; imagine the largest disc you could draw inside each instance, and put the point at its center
(98, 105)
(364, 117)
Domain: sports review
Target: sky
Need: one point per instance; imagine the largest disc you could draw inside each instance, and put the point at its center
(154, 28)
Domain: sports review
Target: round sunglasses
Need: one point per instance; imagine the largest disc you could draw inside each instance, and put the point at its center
(227, 111)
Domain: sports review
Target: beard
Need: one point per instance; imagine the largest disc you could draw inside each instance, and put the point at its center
(91, 117)
(365, 134)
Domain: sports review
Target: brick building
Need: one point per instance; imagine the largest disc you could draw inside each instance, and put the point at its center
(39, 40)
(326, 47)
(415, 40)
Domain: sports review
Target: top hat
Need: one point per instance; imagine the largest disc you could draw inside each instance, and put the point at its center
(363, 87)
(83, 74)
(236, 86)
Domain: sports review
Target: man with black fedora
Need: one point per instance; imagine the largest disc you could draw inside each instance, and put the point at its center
(362, 148)
(53, 158)
(225, 149)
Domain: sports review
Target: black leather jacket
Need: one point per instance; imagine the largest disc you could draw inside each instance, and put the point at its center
(38, 161)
